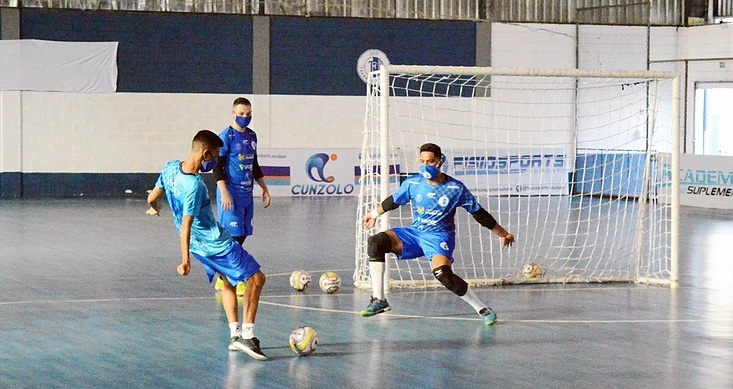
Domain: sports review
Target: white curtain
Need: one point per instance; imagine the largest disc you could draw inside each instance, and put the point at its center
(36, 65)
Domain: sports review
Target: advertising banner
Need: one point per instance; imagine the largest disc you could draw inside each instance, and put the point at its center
(310, 172)
(706, 181)
(510, 172)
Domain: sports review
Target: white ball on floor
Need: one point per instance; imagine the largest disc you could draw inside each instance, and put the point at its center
(330, 282)
(304, 340)
(300, 280)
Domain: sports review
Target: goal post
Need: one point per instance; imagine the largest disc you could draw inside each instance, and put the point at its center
(582, 166)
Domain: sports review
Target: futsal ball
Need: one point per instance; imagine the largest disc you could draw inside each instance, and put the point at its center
(330, 282)
(300, 280)
(531, 271)
(304, 340)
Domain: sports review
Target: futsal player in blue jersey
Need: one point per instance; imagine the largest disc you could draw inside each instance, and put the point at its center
(237, 169)
(204, 239)
(434, 196)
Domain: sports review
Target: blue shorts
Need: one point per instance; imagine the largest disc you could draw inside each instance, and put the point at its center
(235, 263)
(238, 221)
(416, 243)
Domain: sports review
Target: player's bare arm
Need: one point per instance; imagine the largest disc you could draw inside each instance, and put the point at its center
(507, 239)
(221, 184)
(226, 199)
(153, 196)
(370, 219)
(259, 177)
(265, 192)
(185, 267)
(484, 218)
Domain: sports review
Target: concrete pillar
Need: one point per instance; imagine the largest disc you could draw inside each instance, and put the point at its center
(261, 55)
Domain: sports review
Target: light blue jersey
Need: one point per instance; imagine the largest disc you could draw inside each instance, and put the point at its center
(187, 196)
(434, 206)
(240, 149)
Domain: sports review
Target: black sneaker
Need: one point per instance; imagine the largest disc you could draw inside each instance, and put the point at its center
(249, 346)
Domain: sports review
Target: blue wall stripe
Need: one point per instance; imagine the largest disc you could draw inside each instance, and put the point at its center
(40, 185)
(10, 185)
(207, 53)
(318, 56)
(86, 184)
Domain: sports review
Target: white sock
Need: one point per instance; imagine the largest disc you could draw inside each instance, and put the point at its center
(248, 330)
(471, 298)
(235, 329)
(376, 270)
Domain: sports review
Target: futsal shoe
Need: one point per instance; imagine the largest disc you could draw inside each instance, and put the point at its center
(249, 346)
(241, 288)
(219, 285)
(376, 306)
(488, 315)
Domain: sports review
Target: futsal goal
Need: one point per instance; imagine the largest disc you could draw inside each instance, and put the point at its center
(582, 166)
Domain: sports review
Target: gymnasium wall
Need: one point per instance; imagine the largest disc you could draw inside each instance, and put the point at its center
(67, 144)
(158, 52)
(180, 72)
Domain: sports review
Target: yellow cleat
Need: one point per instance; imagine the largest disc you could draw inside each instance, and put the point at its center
(241, 287)
(219, 285)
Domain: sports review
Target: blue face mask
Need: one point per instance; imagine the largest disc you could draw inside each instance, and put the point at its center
(243, 121)
(429, 172)
(209, 165)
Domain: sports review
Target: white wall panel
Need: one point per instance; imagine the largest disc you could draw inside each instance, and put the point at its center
(533, 45)
(127, 133)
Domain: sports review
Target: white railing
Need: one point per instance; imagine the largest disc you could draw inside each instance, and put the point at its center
(628, 12)
(725, 9)
(403, 9)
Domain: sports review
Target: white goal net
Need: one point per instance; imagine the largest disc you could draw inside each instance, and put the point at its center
(581, 166)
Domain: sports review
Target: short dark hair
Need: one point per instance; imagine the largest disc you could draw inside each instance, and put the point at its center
(207, 139)
(241, 101)
(433, 148)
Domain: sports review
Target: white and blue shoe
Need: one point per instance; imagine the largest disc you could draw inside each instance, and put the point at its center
(488, 315)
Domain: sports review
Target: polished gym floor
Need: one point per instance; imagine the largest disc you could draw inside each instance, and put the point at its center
(90, 297)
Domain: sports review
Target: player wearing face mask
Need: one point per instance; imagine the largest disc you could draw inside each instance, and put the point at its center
(202, 238)
(237, 170)
(434, 196)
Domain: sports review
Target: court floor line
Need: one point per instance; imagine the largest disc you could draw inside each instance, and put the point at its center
(392, 315)
(627, 321)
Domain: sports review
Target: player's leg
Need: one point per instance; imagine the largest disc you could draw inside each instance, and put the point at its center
(238, 266)
(378, 246)
(233, 220)
(399, 241)
(219, 284)
(230, 304)
(250, 270)
(252, 296)
(248, 209)
(440, 249)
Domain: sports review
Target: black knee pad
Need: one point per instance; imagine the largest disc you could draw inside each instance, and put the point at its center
(378, 245)
(452, 282)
